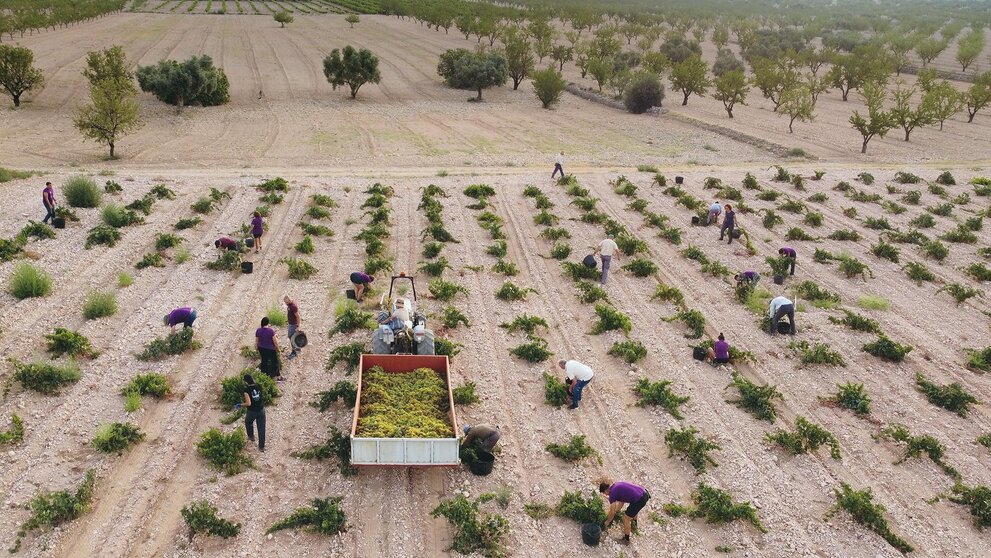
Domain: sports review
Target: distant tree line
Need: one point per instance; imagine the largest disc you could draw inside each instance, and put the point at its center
(20, 16)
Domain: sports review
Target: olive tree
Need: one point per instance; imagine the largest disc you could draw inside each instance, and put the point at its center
(548, 86)
(17, 75)
(283, 17)
(690, 77)
(352, 68)
(643, 92)
(352, 19)
(464, 69)
(195, 81)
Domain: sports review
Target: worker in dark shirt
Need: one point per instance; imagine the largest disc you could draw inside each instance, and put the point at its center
(484, 435)
(729, 223)
(48, 200)
(268, 349)
(790, 253)
(226, 244)
(292, 312)
(254, 404)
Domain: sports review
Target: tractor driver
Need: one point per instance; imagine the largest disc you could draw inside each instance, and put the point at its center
(397, 320)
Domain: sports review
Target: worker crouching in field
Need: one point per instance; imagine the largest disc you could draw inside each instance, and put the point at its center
(790, 253)
(226, 244)
(360, 280)
(484, 436)
(620, 493)
(719, 352)
(185, 316)
(578, 376)
(781, 307)
(714, 211)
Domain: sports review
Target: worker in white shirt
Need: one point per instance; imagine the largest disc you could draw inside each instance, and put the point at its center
(607, 249)
(558, 165)
(714, 210)
(578, 376)
(781, 307)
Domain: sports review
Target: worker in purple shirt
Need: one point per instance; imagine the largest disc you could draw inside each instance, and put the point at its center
(225, 243)
(620, 493)
(48, 199)
(360, 280)
(719, 352)
(257, 230)
(185, 316)
(791, 253)
(268, 349)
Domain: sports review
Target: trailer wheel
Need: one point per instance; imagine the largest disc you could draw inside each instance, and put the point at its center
(426, 347)
(379, 346)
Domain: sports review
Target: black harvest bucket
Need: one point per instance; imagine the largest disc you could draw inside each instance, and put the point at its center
(247, 267)
(482, 465)
(591, 534)
(679, 180)
(58, 222)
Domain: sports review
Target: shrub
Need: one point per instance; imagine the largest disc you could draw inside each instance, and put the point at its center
(435, 268)
(769, 195)
(201, 517)
(886, 349)
(917, 445)
(153, 384)
(844, 235)
(203, 206)
(755, 399)
(884, 250)
(943, 209)
(175, 343)
(166, 241)
(82, 192)
(348, 317)
(28, 281)
(979, 500)
(375, 265)
(153, 259)
(693, 319)
(578, 271)
(906, 178)
(918, 272)
(818, 296)
(796, 233)
(323, 516)
(555, 233)
(473, 530)
(630, 245)
(642, 93)
(43, 377)
(117, 437)
(641, 267)
(611, 319)
(305, 246)
(978, 271)
(37, 230)
(817, 354)
(299, 269)
(66, 342)
(576, 508)
(771, 219)
(852, 267)
(857, 322)
(935, 250)
(447, 348)
(792, 206)
(226, 261)
(534, 350)
(52, 509)
(694, 447)
(630, 351)
(509, 291)
(960, 293)
(142, 204)
(659, 394)
(813, 219)
(187, 223)
(432, 249)
(894, 208)
(465, 395)
(853, 397)
(860, 504)
(576, 449)
(16, 433)
(224, 452)
(341, 391)
(316, 230)
(961, 235)
(538, 510)
(560, 251)
(590, 292)
(979, 359)
(667, 293)
(780, 265)
(717, 506)
(124, 279)
(555, 391)
(952, 396)
(807, 437)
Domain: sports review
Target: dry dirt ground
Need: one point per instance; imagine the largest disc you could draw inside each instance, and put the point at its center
(407, 129)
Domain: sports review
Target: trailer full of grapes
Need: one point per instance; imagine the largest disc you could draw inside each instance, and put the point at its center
(404, 413)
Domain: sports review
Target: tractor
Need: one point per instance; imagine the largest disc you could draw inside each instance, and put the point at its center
(406, 337)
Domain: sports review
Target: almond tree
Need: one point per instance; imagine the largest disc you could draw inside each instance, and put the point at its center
(690, 77)
(731, 89)
(878, 122)
(978, 96)
(905, 116)
(798, 105)
(17, 75)
(944, 101)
